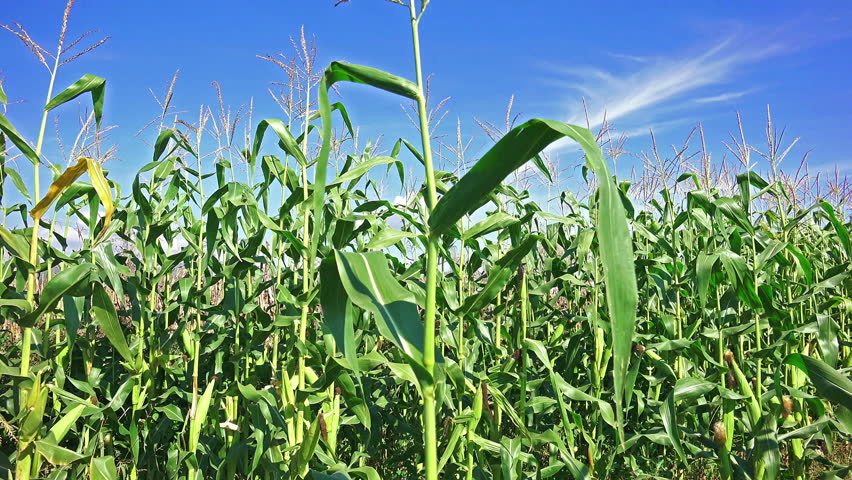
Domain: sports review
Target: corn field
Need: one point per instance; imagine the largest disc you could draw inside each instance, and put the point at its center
(252, 306)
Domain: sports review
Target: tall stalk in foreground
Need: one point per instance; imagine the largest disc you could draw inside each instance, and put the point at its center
(26, 344)
(307, 267)
(430, 439)
(32, 400)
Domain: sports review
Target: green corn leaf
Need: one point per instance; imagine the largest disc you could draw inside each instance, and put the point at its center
(827, 338)
(344, 72)
(772, 249)
(805, 266)
(103, 468)
(17, 181)
(17, 140)
(499, 276)
(122, 392)
(842, 232)
(58, 286)
(807, 430)
(539, 164)
(766, 447)
(370, 285)
(616, 251)
(828, 382)
(340, 108)
(337, 315)
(19, 303)
(160, 145)
(387, 237)
(493, 222)
(688, 389)
(63, 426)
(731, 209)
(314, 475)
(34, 413)
(703, 272)
(740, 276)
(105, 315)
(16, 244)
(108, 266)
(86, 83)
(199, 417)
(512, 151)
(286, 140)
(347, 72)
(56, 455)
(669, 417)
(750, 178)
(361, 169)
(578, 395)
(303, 458)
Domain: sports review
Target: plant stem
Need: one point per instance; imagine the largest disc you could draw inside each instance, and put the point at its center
(522, 363)
(26, 345)
(429, 427)
(26, 451)
(307, 267)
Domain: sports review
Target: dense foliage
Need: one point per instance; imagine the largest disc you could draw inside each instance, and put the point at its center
(297, 324)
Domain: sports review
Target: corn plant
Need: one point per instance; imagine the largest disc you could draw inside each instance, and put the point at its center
(253, 306)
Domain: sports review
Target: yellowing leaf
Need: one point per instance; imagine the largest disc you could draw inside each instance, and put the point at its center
(71, 174)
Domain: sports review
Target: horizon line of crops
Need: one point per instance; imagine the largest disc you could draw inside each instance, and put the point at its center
(326, 357)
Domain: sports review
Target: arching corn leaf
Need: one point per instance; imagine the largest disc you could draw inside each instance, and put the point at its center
(616, 248)
(17, 140)
(337, 317)
(56, 455)
(107, 318)
(828, 382)
(285, 140)
(87, 83)
(58, 286)
(370, 285)
(72, 173)
(345, 72)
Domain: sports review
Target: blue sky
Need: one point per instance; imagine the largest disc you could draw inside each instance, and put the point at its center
(664, 65)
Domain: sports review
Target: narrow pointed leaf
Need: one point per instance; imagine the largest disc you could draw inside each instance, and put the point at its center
(285, 138)
(68, 177)
(17, 140)
(107, 318)
(103, 468)
(828, 382)
(616, 249)
(199, 417)
(55, 289)
(669, 417)
(16, 244)
(842, 232)
(336, 316)
(766, 446)
(56, 455)
(344, 72)
(370, 285)
(86, 83)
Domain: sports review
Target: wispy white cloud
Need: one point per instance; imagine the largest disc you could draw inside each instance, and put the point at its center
(723, 97)
(655, 83)
(632, 58)
(658, 127)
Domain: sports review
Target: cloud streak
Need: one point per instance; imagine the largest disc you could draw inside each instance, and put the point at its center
(723, 97)
(658, 82)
